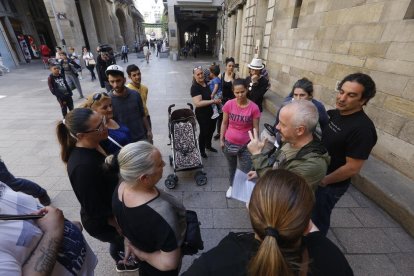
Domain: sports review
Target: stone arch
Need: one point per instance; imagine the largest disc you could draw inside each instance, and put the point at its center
(199, 33)
(122, 24)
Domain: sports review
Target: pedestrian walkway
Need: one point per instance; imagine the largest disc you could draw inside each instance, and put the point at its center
(373, 243)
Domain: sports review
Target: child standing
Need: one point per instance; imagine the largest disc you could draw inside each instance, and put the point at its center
(216, 92)
(60, 88)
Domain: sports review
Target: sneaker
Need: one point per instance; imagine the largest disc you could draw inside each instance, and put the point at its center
(217, 136)
(44, 200)
(228, 193)
(204, 155)
(130, 267)
(215, 116)
(211, 149)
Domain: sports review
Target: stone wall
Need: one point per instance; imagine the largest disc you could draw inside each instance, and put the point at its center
(334, 38)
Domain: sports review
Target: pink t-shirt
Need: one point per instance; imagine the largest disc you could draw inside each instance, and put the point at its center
(240, 121)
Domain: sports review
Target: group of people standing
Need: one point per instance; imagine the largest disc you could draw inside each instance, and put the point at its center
(113, 168)
(324, 149)
(109, 137)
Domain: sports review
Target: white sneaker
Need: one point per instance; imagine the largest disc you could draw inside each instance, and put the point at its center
(228, 193)
(215, 116)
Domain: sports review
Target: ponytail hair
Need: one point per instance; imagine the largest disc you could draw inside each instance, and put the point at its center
(282, 202)
(76, 121)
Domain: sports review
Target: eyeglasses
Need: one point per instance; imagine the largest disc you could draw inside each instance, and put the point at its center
(98, 96)
(198, 67)
(100, 127)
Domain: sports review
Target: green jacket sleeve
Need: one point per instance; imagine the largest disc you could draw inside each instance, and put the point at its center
(260, 164)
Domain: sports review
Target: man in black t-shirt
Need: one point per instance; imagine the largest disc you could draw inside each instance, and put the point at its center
(349, 139)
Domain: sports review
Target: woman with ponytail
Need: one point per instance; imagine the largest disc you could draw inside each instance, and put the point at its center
(79, 136)
(285, 242)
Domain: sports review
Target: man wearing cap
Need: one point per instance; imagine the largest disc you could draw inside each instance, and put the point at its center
(257, 84)
(127, 105)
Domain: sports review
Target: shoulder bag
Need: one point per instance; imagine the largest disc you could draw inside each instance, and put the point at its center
(192, 241)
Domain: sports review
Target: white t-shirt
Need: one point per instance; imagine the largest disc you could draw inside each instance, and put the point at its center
(18, 238)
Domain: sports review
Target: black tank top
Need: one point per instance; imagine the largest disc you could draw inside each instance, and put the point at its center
(227, 88)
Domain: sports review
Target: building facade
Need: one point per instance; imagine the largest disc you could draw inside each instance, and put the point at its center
(194, 22)
(26, 24)
(324, 40)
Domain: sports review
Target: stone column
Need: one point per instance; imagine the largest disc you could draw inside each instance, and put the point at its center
(173, 31)
(238, 42)
(100, 14)
(13, 41)
(231, 35)
(89, 24)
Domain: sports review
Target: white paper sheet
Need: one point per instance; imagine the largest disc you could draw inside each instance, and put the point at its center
(242, 188)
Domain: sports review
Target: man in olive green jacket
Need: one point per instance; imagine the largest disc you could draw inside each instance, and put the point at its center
(300, 152)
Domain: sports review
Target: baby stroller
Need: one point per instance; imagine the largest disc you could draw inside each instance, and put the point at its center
(184, 146)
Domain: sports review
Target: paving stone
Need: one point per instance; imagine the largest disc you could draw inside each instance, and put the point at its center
(220, 184)
(205, 216)
(204, 200)
(401, 239)
(66, 199)
(343, 217)
(234, 203)
(211, 237)
(347, 201)
(331, 236)
(361, 199)
(371, 265)
(404, 262)
(231, 218)
(364, 241)
(373, 217)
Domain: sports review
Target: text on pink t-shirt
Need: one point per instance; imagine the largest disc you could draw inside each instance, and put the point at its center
(240, 121)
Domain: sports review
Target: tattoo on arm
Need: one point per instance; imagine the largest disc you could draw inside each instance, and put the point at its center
(43, 258)
(46, 261)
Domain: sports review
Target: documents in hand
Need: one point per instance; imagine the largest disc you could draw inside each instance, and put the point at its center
(242, 188)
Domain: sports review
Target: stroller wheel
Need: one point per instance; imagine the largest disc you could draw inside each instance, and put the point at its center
(200, 178)
(171, 160)
(171, 181)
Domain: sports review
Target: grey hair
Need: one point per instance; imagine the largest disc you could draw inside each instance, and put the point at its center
(135, 160)
(304, 113)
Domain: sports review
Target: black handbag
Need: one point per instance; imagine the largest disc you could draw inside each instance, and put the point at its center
(192, 241)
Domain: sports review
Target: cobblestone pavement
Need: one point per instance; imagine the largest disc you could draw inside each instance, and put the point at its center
(373, 243)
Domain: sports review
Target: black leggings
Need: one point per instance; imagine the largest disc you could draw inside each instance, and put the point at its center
(207, 127)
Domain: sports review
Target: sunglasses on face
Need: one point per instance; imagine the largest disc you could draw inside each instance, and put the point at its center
(98, 96)
(100, 127)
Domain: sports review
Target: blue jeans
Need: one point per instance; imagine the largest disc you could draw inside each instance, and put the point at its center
(20, 184)
(237, 157)
(325, 200)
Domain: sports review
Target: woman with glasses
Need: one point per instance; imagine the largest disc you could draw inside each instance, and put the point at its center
(79, 136)
(227, 78)
(201, 94)
(118, 135)
(284, 242)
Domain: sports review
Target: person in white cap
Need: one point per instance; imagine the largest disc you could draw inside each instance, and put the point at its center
(128, 108)
(258, 84)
